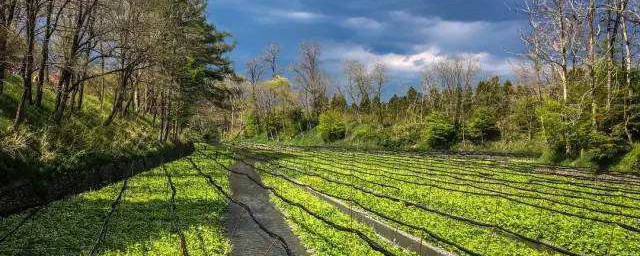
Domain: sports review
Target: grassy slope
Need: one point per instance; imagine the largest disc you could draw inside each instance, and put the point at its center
(80, 136)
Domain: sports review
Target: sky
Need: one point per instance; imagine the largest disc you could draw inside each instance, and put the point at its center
(407, 35)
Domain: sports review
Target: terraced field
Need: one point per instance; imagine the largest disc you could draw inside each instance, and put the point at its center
(468, 205)
(462, 205)
(166, 211)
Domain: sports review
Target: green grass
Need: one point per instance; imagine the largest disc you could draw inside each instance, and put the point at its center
(582, 216)
(141, 224)
(80, 136)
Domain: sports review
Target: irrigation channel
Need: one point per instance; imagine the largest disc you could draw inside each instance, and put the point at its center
(268, 200)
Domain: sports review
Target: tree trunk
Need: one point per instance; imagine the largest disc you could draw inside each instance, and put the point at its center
(80, 96)
(119, 95)
(627, 61)
(27, 64)
(592, 63)
(6, 20)
(3, 49)
(564, 51)
(45, 55)
(102, 80)
(62, 96)
(612, 30)
(117, 104)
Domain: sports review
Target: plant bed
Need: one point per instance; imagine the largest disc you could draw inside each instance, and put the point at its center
(38, 190)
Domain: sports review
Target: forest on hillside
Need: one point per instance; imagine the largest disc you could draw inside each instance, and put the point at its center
(87, 79)
(574, 98)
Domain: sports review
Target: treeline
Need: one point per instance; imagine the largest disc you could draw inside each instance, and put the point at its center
(574, 99)
(157, 58)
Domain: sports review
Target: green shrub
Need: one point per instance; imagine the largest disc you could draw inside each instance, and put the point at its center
(332, 126)
(602, 150)
(407, 134)
(482, 126)
(631, 161)
(365, 132)
(553, 153)
(439, 132)
(252, 127)
(388, 141)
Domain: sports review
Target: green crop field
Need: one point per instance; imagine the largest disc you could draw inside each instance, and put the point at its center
(147, 218)
(464, 205)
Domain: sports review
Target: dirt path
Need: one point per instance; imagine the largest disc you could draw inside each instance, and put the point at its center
(245, 235)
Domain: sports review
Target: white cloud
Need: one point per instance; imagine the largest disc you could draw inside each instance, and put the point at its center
(363, 23)
(414, 62)
(301, 16)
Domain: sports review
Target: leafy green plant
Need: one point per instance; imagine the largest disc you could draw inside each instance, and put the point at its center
(439, 132)
(332, 126)
(631, 161)
(482, 126)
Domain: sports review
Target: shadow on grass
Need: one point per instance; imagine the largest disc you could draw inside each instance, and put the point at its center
(138, 227)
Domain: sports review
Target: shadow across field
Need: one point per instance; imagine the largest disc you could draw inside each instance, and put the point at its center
(15, 198)
(145, 227)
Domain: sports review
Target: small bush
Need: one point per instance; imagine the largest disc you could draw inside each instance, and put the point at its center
(482, 126)
(439, 132)
(553, 153)
(407, 134)
(602, 149)
(332, 126)
(365, 132)
(631, 161)
(252, 127)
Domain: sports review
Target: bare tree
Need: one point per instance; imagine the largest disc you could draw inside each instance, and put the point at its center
(310, 77)
(549, 36)
(7, 14)
(627, 65)
(50, 26)
(359, 85)
(255, 70)
(31, 10)
(454, 75)
(379, 75)
(271, 55)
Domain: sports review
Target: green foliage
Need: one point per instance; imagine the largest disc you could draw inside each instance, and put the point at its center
(317, 236)
(365, 132)
(482, 126)
(75, 221)
(631, 161)
(332, 126)
(449, 190)
(439, 132)
(338, 102)
(407, 133)
(79, 141)
(602, 150)
(252, 126)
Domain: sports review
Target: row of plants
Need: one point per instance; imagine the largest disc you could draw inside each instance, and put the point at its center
(320, 236)
(141, 222)
(593, 229)
(499, 180)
